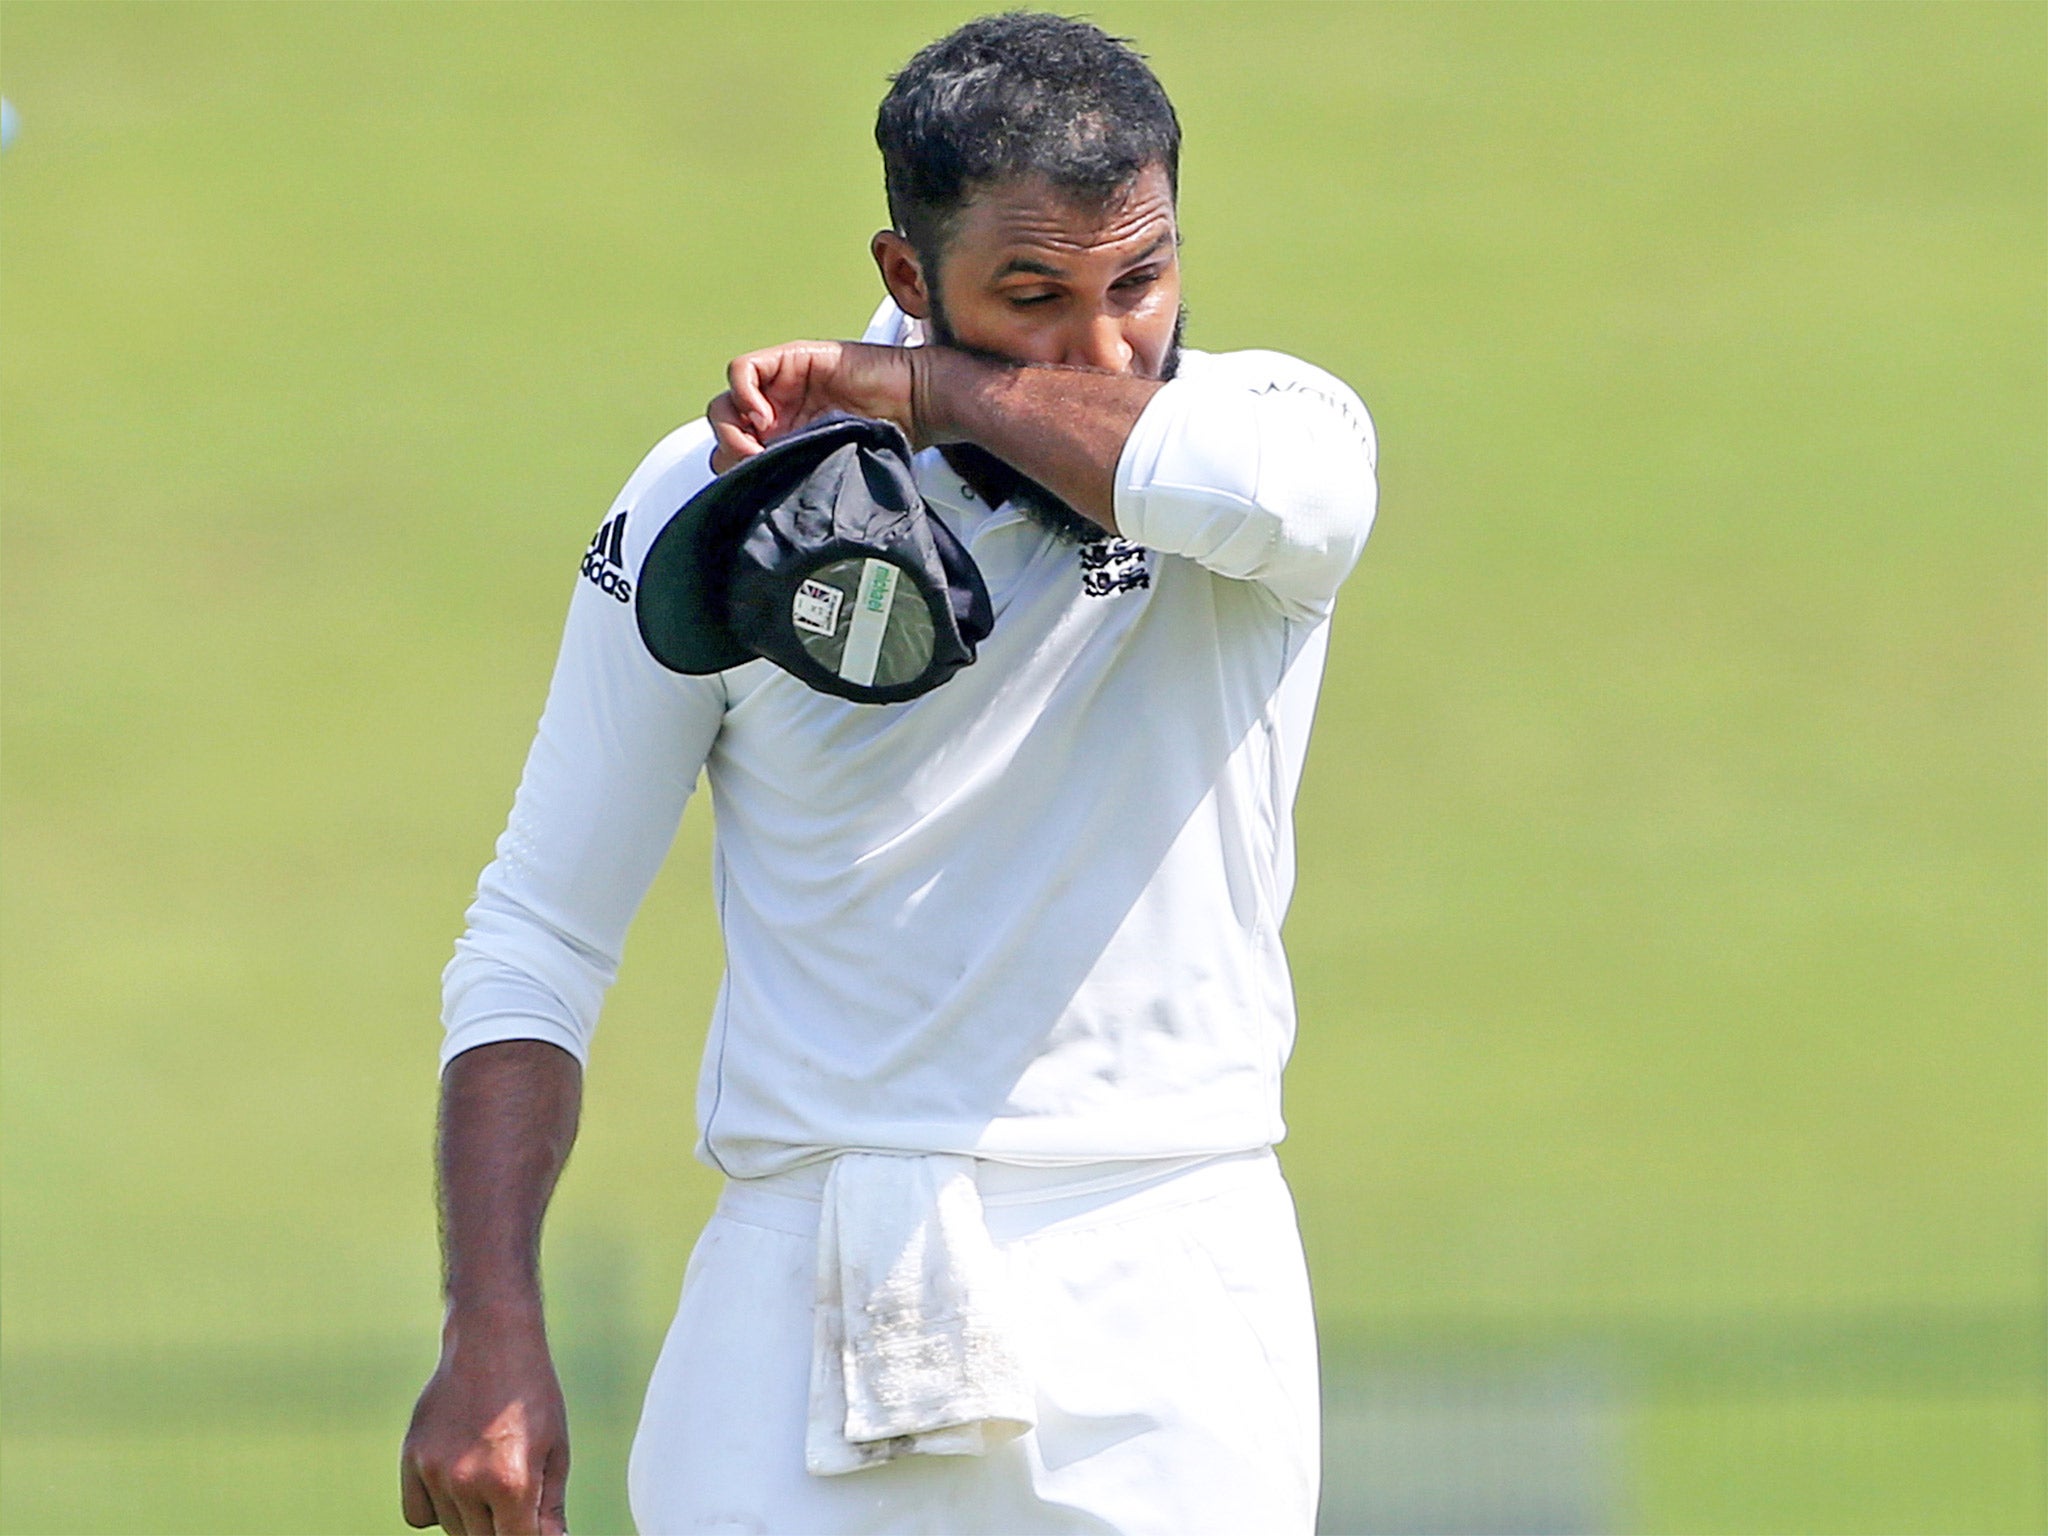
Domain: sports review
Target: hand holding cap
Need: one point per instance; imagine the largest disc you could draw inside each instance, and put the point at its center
(819, 555)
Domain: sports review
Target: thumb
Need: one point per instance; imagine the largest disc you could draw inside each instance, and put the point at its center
(554, 1493)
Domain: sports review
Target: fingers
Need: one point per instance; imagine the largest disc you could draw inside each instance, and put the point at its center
(414, 1499)
(780, 390)
(428, 1498)
(554, 1493)
(736, 440)
(448, 1515)
(744, 377)
(506, 1494)
(457, 1515)
(514, 1505)
(473, 1515)
(484, 1504)
(488, 1443)
(497, 1497)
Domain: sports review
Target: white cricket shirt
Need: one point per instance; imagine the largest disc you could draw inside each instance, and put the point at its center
(1033, 915)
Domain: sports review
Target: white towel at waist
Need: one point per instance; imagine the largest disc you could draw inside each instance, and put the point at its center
(914, 1351)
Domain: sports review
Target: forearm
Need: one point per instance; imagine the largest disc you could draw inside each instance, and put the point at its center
(508, 1118)
(488, 1447)
(1064, 427)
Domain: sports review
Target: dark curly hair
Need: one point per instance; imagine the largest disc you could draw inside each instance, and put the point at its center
(1022, 93)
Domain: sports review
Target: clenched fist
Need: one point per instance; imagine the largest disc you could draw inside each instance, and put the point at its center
(488, 1451)
(777, 390)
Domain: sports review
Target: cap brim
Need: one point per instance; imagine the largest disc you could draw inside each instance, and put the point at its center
(680, 601)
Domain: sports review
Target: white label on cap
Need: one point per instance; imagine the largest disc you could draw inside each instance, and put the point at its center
(816, 607)
(870, 622)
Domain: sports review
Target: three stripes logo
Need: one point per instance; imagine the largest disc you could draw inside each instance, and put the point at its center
(604, 564)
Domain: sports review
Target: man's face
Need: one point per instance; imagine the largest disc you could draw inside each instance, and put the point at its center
(1032, 275)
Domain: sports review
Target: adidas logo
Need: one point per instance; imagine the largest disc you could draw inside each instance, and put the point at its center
(604, 564)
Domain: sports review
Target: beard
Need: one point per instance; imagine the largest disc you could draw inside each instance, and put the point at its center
(996, 481)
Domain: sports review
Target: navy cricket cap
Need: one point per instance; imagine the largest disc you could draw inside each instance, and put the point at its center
(817, 553)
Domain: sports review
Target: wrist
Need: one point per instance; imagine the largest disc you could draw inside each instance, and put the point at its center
(490, 1321)
(495, 1355)
(945, 384)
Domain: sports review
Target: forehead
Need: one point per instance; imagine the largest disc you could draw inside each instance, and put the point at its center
(1032, 221)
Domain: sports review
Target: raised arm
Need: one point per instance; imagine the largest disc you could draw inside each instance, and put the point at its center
(1064, 427)
(1256, 465)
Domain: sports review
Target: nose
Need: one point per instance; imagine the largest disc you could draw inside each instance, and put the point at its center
(1098, 342)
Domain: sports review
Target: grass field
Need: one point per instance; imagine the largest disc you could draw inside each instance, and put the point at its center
(1670, 931)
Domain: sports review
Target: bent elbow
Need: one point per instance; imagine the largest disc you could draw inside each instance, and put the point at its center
(1273, 485)
(1318, 512)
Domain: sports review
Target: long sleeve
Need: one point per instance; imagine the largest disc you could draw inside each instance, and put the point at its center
(1261, 468)
(617, 752)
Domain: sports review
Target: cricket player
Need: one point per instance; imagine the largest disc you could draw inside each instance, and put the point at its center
(994, 1072)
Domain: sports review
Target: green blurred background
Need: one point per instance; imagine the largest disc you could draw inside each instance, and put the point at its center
(1668, 1117)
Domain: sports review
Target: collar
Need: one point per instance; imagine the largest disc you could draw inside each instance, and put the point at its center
(946, 491)
(982, 472)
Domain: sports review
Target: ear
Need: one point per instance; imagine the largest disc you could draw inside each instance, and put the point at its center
(902, 273)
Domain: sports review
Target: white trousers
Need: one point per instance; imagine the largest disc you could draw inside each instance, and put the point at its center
(1163, 1316)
